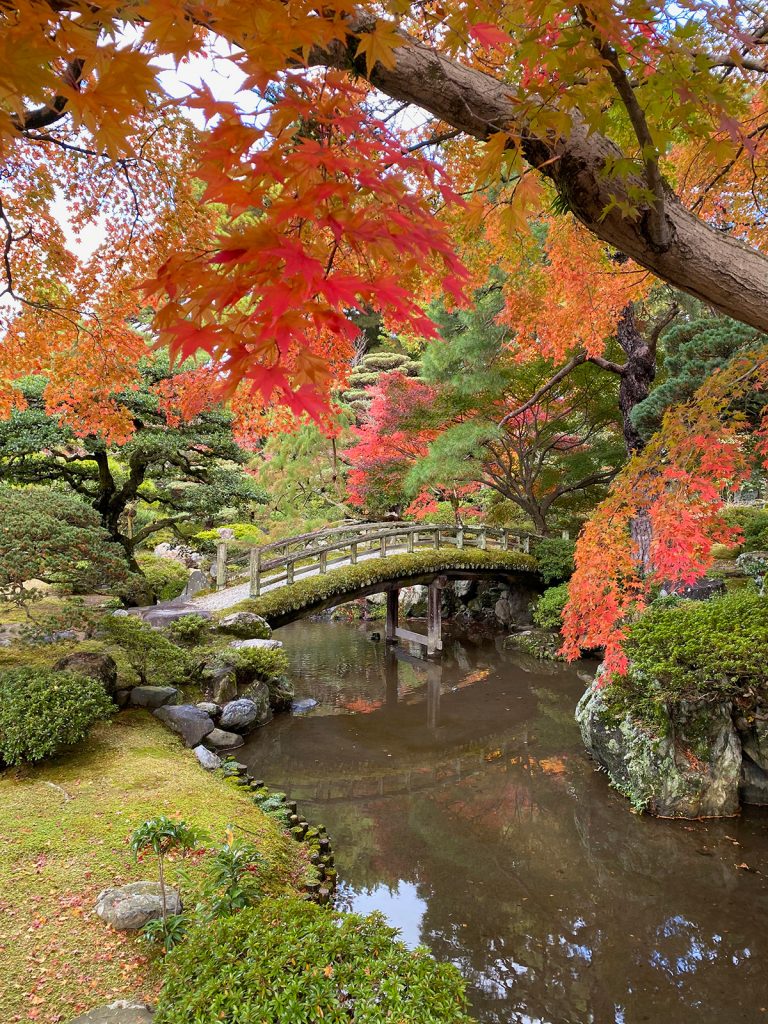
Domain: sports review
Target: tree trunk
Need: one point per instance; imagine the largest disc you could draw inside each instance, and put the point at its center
(637, 376)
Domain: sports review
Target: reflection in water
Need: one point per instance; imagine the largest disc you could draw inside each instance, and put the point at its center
(462, 805)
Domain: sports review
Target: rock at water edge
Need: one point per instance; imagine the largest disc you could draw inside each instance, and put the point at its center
(222, 740)
(246, 625)
(687, 766)
(189, 722)
(207, 758)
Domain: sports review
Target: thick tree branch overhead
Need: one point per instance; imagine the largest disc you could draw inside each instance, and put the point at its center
(713, 266)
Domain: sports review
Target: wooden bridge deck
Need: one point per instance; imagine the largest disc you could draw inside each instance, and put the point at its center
(247, 571)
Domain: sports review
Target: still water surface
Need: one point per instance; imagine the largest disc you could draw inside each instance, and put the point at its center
(462, 805)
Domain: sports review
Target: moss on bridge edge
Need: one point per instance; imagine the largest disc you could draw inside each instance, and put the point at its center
(315, 590)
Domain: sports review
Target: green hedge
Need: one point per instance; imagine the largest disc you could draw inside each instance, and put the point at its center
(166, 577)
(548, 612)
(384, 361)
(287, 961)
(42, 712)
(338, 582)
(682, 650)
(555, 558)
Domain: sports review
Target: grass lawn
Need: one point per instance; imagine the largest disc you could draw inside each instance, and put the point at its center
(64, 837)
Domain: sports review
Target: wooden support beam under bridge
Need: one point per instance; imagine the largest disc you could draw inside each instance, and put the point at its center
(433, 640)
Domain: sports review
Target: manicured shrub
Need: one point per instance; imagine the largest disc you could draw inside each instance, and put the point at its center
(190, 630)
(155, 659)
(362, 379)
(685, 649)
(258, 663)
(549, 609)
(54, 537)
(754, 524)
(42, 712)
(384, 361)
(165, 576)
(287, 961)
(555, 558)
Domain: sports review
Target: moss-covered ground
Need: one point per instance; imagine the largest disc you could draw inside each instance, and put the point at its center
(64, 837)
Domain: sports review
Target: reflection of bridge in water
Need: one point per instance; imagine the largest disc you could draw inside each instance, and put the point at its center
(434, 722)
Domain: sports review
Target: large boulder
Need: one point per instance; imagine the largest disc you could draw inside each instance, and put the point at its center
(220, 681)
(246, 625)
(266, 645)
(122, 1011)
(260, 695)
(700, 590)
(539, 643)
(180, 553)
(753, 733)
(98, 666)
(197, 581)
(413, 601)
(153, 696)
(129, 907)
(192, 724)
(239, 715)
(686, 765)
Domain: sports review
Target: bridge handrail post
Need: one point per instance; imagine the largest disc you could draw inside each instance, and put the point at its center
(323, 561)
(353, 552)
(382, 547)
(437, 538)
(289, 571)
(527, 544)
(460, 537)
(255, 588)
(221, 565)
(409, 541)
(482, 541)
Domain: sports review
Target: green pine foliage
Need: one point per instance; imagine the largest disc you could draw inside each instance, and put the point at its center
(288, 961)
(559, 456)
(693, 351)
(555, 558)
(154, 658)
(53, 536)
(171, 472)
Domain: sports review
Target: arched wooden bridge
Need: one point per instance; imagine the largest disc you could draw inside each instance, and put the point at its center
(437, 552)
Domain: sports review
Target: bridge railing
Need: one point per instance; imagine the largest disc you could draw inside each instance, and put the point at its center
(311, 553)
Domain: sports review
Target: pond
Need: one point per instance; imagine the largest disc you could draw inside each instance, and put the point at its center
(462, 805)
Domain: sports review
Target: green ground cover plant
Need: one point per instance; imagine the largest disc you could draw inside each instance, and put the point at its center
(287, 961)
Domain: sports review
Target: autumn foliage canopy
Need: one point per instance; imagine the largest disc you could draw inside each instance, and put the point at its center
(371, 155)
